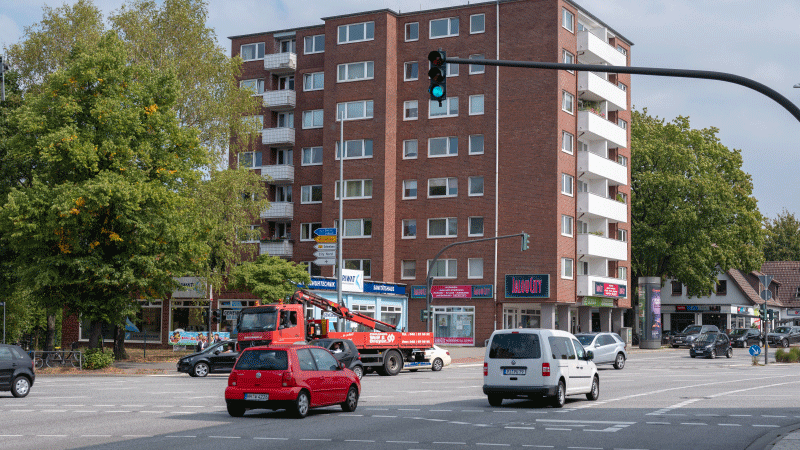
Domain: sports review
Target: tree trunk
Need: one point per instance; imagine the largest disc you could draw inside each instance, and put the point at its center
(119, 343)
(50, 337)
(95, 335)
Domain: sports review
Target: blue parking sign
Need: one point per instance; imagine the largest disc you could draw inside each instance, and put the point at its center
(755, 350)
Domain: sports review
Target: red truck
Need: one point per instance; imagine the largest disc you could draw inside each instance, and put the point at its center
(384, 350)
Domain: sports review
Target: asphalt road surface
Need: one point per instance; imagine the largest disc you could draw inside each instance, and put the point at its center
(660, 401)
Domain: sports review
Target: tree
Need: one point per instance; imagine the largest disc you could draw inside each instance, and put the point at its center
(693, 214)
(270, 278)
(782, 240)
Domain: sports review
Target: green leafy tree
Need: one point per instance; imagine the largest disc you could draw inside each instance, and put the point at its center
(782, 240)
(693, 213)
(270, 278)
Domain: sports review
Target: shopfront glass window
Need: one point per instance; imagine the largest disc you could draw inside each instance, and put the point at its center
(391, 314)
(147, 320)
(454, 325)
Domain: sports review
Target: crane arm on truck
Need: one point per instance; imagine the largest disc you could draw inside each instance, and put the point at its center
(305, 296)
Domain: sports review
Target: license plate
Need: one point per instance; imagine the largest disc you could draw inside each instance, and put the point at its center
(513, 371)
(261, 397)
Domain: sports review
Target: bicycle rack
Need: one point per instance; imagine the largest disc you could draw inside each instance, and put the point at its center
(64, 357)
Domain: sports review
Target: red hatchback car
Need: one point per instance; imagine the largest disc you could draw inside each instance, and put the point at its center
(295, 378)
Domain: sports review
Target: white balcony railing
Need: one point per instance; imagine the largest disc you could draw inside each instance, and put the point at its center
(596, 88)
(594, 127)
(279, 63)
(278, 173)
(279, 210)
(282, 100)
(601, 247)
(283, 249)
(596, 206)
(585, 284)
(277, 136)
(593, 50)
(595, 166)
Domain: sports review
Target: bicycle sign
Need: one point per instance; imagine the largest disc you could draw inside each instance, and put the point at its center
(755, 350)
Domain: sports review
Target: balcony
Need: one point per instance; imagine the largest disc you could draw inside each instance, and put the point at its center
(279, 211)
(282, 249)
(601, 247)
(278, 173)
(280, 63)
(595, 88)
(594, 127)
(283, 100)
(596, 206)
(585, 285)
(595, 166)
(593, 50)
(277, 136)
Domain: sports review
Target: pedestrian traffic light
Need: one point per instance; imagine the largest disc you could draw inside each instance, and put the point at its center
(526, 240)
(438, 75)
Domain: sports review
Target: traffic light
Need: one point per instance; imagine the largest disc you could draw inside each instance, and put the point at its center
(438, 75)
(526, 240)
(215, 316)
(770, 314)
(423, 315)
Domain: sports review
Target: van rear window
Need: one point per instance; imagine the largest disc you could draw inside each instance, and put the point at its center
(263, 360)
(518, 346)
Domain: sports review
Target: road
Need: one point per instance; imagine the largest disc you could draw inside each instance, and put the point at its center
(660, 401)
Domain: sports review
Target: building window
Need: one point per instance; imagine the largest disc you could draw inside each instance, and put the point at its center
(409, 270)
(314, 44)
(311, 194)
(442, 146)
(566, 225)
(412, 31)
(250, 235)
(566, 268)
(797, 294)
(623, 160)
(307, 230)
(356, 149)
(622, 235)
(409, 228)
(356, 71)
(288, 46)
(256, 85)
(254, 123)
(567, 142)
(447, 227)
(449, 108)
(567, 102)
(359, 264)
(622, 124)
(411, 71)
(622, 50)
(568, 58)
(622, 86)
(312, 119)
(444, 268)
(314, 81)
(357, 32)
(312, 156)
(722, 287)
(355, 189)
(582, 227)
(313, 269)
(249, 160)
(354, 110)
(583, 186)
(286, 83)
(475, 268)
(442, 187)
(441, 28)
(452, 69)
(475, 186)
(476, 144)
(250, 52)
(409, 189)
(568, 20)
(410, 149)
(583, 146)
(475, 105)
(286, 120)
(583, 268)
(622, 273)
(283, 194)
(677, 288)
(566, 184)
(622, 197)
(475, 226)
(355, 228)
(410, 110)
(477, 23)
(476, 68)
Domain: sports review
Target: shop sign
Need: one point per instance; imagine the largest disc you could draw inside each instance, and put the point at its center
(190, 287)
(329, 284)
(383, 288)
(462, 291)
(793, 312)
(690, 308)
(598, 302)
(714, 308)
(482, 291)
(743, 310)
(610, 290)
(352, 280)
(527, 286)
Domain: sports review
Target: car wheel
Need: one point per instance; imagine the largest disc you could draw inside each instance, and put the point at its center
(359, 371)
(20, 386)
(594, 394)
(200, 369)
(392, 363)
(692, 355)
(561, 395)
(351, 402)
(675, 346)
(729, 353)
(301, 405)
(495, 400)
(785, 343)
(437, 364)
(235, 410)
(619, 363)
(713, 354)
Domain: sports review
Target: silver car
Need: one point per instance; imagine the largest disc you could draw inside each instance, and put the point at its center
(608, 348)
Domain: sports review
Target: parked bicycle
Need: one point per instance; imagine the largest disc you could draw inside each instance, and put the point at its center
(58, 357)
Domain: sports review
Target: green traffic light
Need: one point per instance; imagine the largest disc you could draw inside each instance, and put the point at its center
(437, 91)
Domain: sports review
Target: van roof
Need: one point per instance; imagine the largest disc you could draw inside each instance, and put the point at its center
(541, 331)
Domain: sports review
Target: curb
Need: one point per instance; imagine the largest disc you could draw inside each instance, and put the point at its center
(772, 438)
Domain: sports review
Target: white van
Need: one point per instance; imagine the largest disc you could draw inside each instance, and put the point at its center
(535, 363)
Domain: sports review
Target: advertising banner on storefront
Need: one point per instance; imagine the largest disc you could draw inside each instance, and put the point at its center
(180, 337)
(610, 290)
(597, 302)
(462, 291)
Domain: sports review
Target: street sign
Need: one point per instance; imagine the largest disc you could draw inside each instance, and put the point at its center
(236, 305)
(325, 246)
(328, 239)
(765, 280)
(766, 294)
(325, 231)
(325, 253)
(325, 261)
(755, 350)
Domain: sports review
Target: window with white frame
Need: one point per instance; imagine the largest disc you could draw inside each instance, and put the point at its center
(476, 68)
(582, 27)
(359, 264)
(410, 149)
(442, 146)
(313, 269)
(286, 83)
(355, 189)
(568, 58)
(249, 160)
(476, 144)
(566, 268)
(623, 160)
(622, 124)
(566, 225)
(288, 45)
(283, 194)
(314, 81)
(283, 156)
(314, 44)
(354, 110)
(583, 268)
(475, 186)
(442, 28)
(449, 108)
(567, 142)
(253, 123)
(411, 71)
(357, 32)
(307, 230)
(475, 226)
(582, 227)
(452, 69)
(355, 228)
(568, 20)
(475, 105)
(409, 270)
(622, 235)
(312, 119)
(622, 197)
(409, 189)
(356, 149)
(311, 194)
(622, 50)
(583, 186)
(286, 120)
(412, 31)
(566, 184)
(622, 273)
(477, 23)
(251, 234)
(311, 156)
(257, 85)
(622, 86)
(409, 228)
(475, 268)
(357, 71)
(442, 187)
(583, 146)
(445, 227)
(250, 52)
(568, 102)
(444, 268)
(410, 110)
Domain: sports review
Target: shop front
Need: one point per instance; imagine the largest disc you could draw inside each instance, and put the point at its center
(453, 311)
(386, 302)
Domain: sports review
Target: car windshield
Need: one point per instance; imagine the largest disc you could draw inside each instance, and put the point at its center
(585, 339)
(738, 332)
(782, 330)
(258, 321)
(706, 338)
(212, 348)
(692, 329)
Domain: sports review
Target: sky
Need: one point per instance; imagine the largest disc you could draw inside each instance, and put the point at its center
(756, 40)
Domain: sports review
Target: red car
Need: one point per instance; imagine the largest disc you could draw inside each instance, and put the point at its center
(295, 378)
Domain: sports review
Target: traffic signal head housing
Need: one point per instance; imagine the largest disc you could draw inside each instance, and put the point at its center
(526, 240)
(438, 75)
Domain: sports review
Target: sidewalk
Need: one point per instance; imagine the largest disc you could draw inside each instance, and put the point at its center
(789, 442)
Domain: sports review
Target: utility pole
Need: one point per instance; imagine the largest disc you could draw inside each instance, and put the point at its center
(3, 69)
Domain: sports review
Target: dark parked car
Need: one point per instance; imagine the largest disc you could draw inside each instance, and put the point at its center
(710, 345)
(16, 370)
(784, 336)
(690, 333)
(347, 354)
(666, 336)
(218, 357)
(745, 337)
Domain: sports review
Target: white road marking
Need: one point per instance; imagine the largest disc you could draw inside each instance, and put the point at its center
(766, 426)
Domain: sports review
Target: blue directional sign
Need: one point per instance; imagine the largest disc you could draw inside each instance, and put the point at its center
(325, 231)
(755, 350)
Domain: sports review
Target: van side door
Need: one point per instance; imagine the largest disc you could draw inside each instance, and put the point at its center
(583, 373)
(561, 365)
